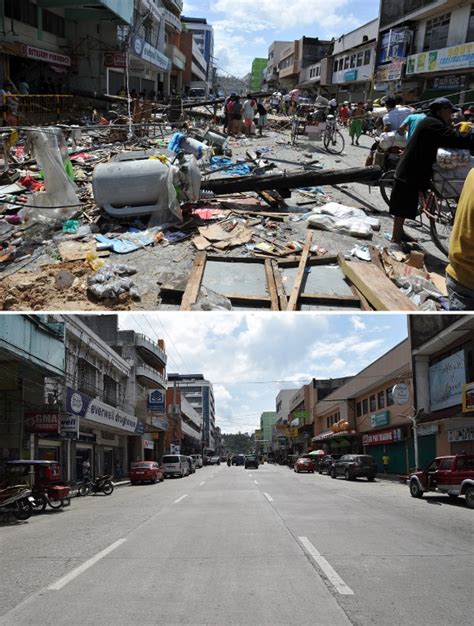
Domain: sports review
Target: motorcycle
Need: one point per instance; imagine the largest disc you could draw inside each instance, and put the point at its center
(16, 503)
(48, 490)
(101, 484)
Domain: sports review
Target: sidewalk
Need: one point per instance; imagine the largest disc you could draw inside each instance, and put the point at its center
(393, 478)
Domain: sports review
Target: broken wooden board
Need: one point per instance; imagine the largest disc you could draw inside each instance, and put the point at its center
(78, 251)
(193, 286)
(295, 294)
(379, 290)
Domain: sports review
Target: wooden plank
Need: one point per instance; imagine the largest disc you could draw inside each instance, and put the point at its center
(295, 294)
(271, 286)
(312, 262)
(77, 251)
(193, 286)
(233, 259)
(364, 304)
(379, 290)
(280, 287)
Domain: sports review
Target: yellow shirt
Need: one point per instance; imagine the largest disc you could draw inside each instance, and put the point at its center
(461, 245)
(465, 127)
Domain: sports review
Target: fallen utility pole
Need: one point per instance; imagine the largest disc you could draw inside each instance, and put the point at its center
(193, 105)
(293, 180)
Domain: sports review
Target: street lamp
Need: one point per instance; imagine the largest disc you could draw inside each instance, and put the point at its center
(414, 419)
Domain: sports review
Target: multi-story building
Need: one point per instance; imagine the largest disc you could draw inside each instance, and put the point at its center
(426, 49)
(267, 420)
(299, 55)
(274, 57)
(350, 69)
(184, 432)
(203, 36)
(199, 393)
(195, 71)
(443, 365)
(362, 416)
(32, 366)
(257, 74)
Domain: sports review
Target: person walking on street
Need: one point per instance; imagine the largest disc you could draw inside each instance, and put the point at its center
(385, 461)
(415, 168)
(249, 110)
(237, 116)
(357, 121)
(344, 113)
(262, 117)
(396, 115)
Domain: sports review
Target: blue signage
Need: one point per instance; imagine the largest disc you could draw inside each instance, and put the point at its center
(146, 52)
(156, 401)
(351, 75)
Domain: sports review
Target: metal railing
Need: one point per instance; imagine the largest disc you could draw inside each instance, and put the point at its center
(35, 110)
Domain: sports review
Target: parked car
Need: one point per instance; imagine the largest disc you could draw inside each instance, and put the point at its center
(353, 466)
(251, 460)
(325, 464)
(213, 460)
(145, 471)
(304, 464)
(197, 460)
(453, 475)
(192, 465)
(175, 465)
(238, 459)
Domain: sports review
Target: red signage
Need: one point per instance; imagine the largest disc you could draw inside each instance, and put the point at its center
(42, 422)
(47, 56)
(115, 59)
(387, 436)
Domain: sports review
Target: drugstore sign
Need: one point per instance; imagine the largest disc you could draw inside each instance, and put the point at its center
(453, 58)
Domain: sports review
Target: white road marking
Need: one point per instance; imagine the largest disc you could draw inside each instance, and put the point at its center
(82, 568)
(343, 495)
(328, 570)
(203, 483)
(255, 482)
(268, 496)
(181, 498)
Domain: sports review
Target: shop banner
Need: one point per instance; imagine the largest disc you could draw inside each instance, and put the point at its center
(391, 71)
(47, 56)
(389, 436)
(156, 401)
(92, 409)
(461, 434)
(146, 52)
(351, 75)
(448, 83)
(453, 58)
(42, 422)
(380, 419)
(468, 398)
(69, 427)
(393, 44)
(115, 59)
(148, 445)
(427, 429)
(446, 381)
(291, 432)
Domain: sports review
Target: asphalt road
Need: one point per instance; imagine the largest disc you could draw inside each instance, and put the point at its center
(235, 546)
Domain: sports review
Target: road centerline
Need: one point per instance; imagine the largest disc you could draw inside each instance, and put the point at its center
(326, 567)
(268, 496)
(181, 498)
(59, 584)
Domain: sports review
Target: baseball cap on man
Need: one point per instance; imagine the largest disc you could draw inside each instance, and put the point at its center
(442, 103)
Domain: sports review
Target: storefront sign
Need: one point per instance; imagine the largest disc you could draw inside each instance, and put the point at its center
(388, 436)
(160, 422)
(468, 397)
(92, 409)
(148, 445)
(461, 434)
(351, 75)
(146, 52)
(391, 71)
(427, 429)
(42, 422)
(448, 83)
(300, 414)
(453, 58)
(47, 56)
(401, 394)
(446, 381)
(393, 44)
(156, 401)
(69, 427)
(380, 419)
(115, 59)
(291, 432)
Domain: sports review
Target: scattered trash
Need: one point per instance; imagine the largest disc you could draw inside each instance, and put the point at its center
(209, 300)
(70, 226)
(113, 282)
(361, 252)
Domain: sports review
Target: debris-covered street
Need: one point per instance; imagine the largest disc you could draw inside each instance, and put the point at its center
(323, 247)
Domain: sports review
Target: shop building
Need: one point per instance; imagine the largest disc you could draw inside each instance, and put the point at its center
(267, 421)
(427, 49)
(32, 365)
(443, 368)
(195, 70)
(257, 75)
(184, 432)
(275, 52)
(353, 61)
(363, 417)
(203, 37)
(299, 55)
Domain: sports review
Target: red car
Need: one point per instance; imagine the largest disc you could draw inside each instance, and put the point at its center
(453, 475)
(145, 471)
(304, 464)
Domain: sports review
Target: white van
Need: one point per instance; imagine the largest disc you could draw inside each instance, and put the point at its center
(197, 459)
(175, 465)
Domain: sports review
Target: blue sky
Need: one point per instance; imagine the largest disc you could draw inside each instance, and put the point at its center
(244, 29)
(249, 357)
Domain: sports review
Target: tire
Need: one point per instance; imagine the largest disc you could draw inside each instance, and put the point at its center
(415, 490)
(336, 145)
(39, 505)
(470, 497)
(347, 475)
(441, 225)
(386, 185)
(108, 488)
(84, 490)
(24, 511)
(333, 474)
(453, 496)
(371, 479)
(162, 479)
(66, 501)
(133, 483)
(55, 504)
(320, 471)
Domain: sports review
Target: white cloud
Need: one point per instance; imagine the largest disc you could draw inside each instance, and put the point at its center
(357, 323)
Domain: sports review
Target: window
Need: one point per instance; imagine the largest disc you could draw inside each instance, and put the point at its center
(365, 406)
(470, 27)
(381, 399)
(86, 377)
(358, 409)
(436, 33)
(373, 403)
(389, 397)
(23, 11)
(54, 24)
(346, 63)
(367, 56)
(360, 59)
(353, 60)
(110, 390)
(318, 71)
(446, 464)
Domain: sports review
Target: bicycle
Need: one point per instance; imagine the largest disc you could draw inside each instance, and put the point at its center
(333, 139)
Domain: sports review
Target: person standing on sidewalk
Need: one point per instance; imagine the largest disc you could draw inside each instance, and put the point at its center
(385, 461)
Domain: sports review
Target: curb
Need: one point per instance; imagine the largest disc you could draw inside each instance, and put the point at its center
(121, 483)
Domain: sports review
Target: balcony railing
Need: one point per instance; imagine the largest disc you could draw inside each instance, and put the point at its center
(149, 377)
(150, 351)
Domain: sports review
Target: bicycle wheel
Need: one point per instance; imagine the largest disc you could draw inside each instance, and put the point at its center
(334, 142)
(441, 213)
(386, 183)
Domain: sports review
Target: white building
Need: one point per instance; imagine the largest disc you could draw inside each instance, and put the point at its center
(203, 37)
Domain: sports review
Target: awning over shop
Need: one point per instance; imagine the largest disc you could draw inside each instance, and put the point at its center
(329, 434)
